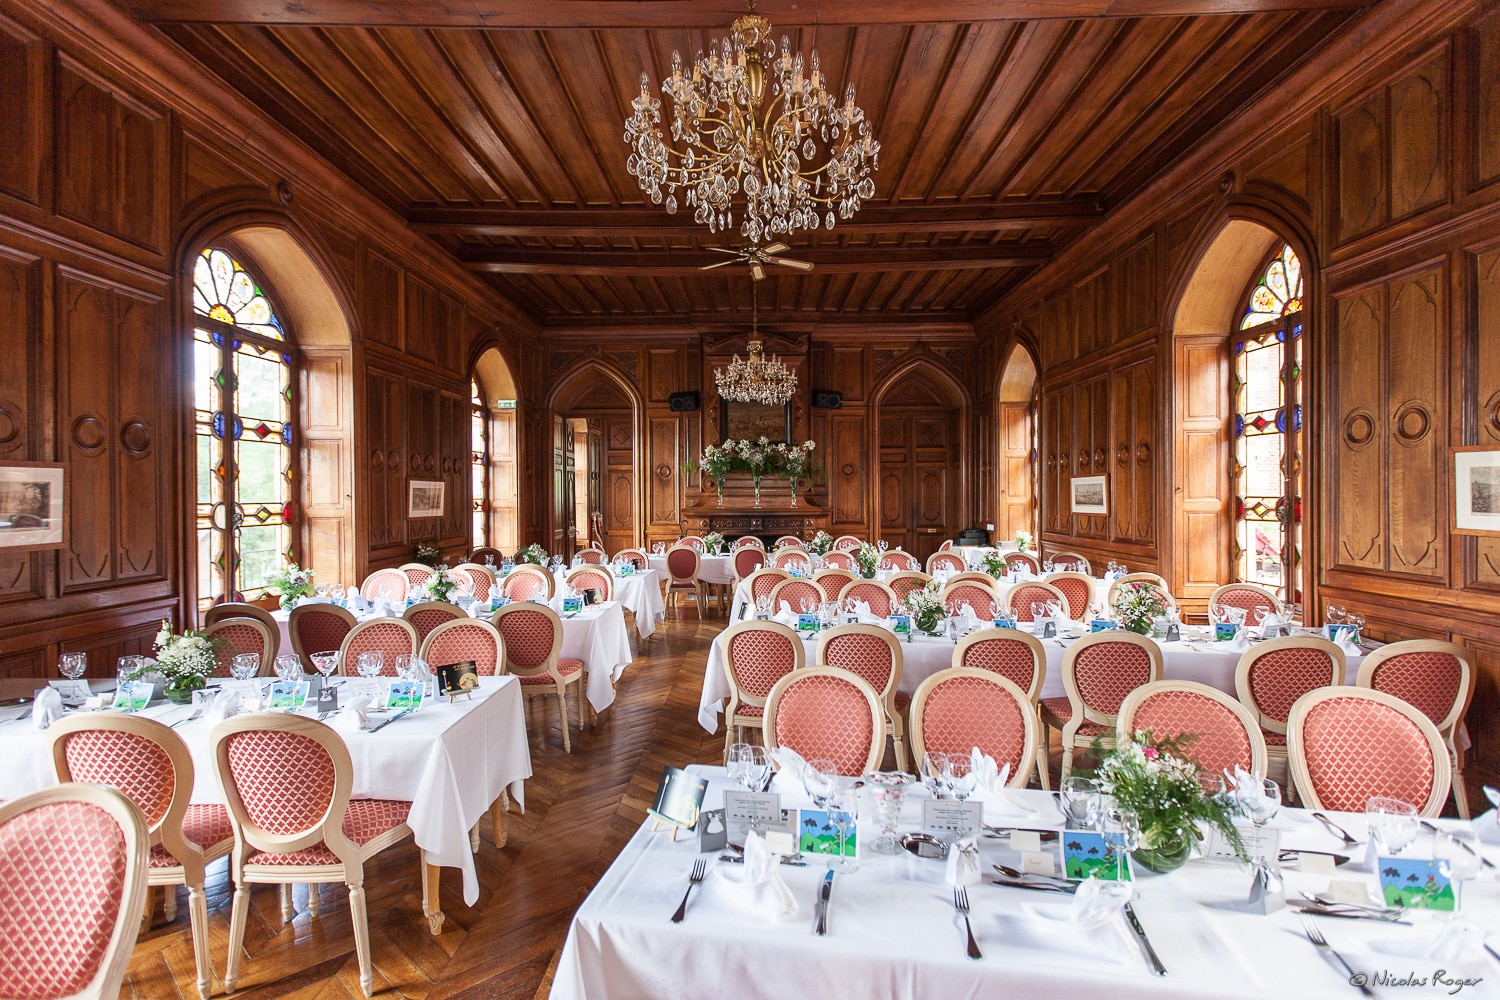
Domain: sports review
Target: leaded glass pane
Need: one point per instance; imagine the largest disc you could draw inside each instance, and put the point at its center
(225, 291)
(1278, 293)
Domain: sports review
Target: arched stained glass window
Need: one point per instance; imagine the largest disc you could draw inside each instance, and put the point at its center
(242, 384)
(1267, 471)
(479, 458)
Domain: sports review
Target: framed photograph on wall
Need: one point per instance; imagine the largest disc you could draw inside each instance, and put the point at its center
(424, 498)
(751, 421)
(1476, 491)
(1089, 494)
(31, 505)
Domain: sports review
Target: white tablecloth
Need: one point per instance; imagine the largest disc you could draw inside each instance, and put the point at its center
(969, 551)
(711, 569)
(597, 636)
(893, 932)
(640, 594)
(450, 760)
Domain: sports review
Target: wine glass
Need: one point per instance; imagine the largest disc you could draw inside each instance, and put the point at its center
(1336, 614)
(288, 668)
(1393, 823)
(843, 814)
(337, 593)
(737, 763)
(1457, 853)
(755, 766)
(958, 773)
(73, 666)
(1122, 834)
(403, 665)
(821, 779)
(325, 663)
(1260, 801)
(1080, 802)
(244, 666)
(933, 765)
(370, 665)
(889, 788)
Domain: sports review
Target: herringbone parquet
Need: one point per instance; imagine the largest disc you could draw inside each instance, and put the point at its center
(580, 810)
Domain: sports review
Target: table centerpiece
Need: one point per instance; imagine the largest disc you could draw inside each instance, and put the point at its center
(1138, 605)
(292, 584)
(926, 607)
(185, 660)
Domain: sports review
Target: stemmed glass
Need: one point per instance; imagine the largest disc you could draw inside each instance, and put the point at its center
(889, 788)
(1336, 614)
(1261, 801)
(736, 763)
(403, 665)
(749, 765)
(1122, 834)
(1080, 800)
(288, 668)
(958, 774)
(821, 779)
(325, 663)
(370, 665)
(932, 769)
(1393, 824)
(843, 814)
(763, 606)
(244, 666)
(73, 666)
(1457, 853)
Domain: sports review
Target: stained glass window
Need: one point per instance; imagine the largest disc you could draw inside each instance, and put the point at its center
(242, 387)
(1267, 471)
(479, 458)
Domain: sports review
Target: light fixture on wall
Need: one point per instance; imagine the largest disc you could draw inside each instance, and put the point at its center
(747, 120)
(756, 380)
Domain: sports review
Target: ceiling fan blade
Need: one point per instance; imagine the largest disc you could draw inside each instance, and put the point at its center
(722, 263)
(796, 265)
(776, 248)
(734, 253)
(757, 272)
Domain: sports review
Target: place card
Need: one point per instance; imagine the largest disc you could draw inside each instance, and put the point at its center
(1316, 863)
(1225, 631)
(751, 810)
(572, 604)
(403, 695)
(679, 799)
(1261, 845)
(1025, 840)
(1174, 633)
(713, 834)
(818, 835)
(454, 679)
(133, 696)
(782, 842)
(1004, 623)
(500, 601)
(1086, 855)
(328, 699)
(807, 623)
(1101, 625)
(287, 696)
(1414, 884)
(901, 624)
(1038, 863)
(1049, 629)
(627, 570)
(1348, 890)
(948, 816)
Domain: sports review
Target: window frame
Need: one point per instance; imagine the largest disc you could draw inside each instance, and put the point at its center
(479, 411)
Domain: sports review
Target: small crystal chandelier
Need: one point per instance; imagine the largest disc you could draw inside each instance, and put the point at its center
(747, 120)
(756, 380)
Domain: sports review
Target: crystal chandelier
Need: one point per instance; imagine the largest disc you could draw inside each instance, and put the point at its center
(756, 380)
(747, 120)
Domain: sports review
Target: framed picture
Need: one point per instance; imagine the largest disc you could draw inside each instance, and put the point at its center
(424, 498)
(751, 421)
(1476, 491)
(1089, 494)
(31, 505)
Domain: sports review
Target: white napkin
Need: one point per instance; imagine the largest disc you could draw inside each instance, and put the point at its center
(383, 607)
(1246, 790)
(1453, 944)
(1346, 643)
(963, 862)
(47, 708)
(989, 788)
(1241, 641)
(1269, 624)
(1487, 827)
(226, 705)
(785, 615)
(757, 884)
(1088, 927)
(791, 764)
(356, 715)
(967, 619)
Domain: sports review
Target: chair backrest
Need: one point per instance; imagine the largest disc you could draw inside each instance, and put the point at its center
(417, 574)
(789, 557)
(600, 578)
(981, 596)
(1100, 669)
(947, 544)
(318, 628)
(1011, 653)
(462, 640)
(960, 708)
(636, 557)
(531, 638)
(833, 581)
(904, 583)
(481, 580)
(390, 584)
(682, 564)
(879, 596)
(1272, 675)
(239, 609)
(750, 541)
(527, 581)
(763, 581)
(73, 862)
(748, 559)
(592, 556)
(1346, 745)
(391, 636)
(693, 542)
(794, 591)
(1022, 560)
(1435, 677)
(1020, 598)
(840, 560)
(484, 552)
(429, 615)
(1249, 596)
(791, 540)
(1224, 733)
(244, 635)
(1070, 562)
(757, 654)
(870, 651)
(952, 562)
(827, 713)
(846, 543)
(1078, 588)
(898, 561)
(1151, 580)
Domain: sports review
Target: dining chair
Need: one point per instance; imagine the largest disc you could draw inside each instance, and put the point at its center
(788, 540)
(873, 653)
(598, 578)
(827, 713)
(840, 560)
(897, 561)
(527, 581)
(464, 640)
(757, 654)
(239, 609)
(73, 864)
(1023, 560)
(429, 615)
(683, 563)
(960, 708)
(788, 558)
(795, 591)
(1219, 734)
(287, 781)
(749, 541)
(946, 546)
(902, 584)
(1078, 588)
(391, 636)
(763, 581)
(980, 595)
(1070, 562)
(635, 557)
(1436, 678)
(318, 628)
(481, 579)
(390, 584)
(531, 640)
(236, 636)
(151, 765)
(485, 554)
(1273, 674)
(1018, 657)
(951, 562)
(694, 542)
(1350, 744)
(1157, 583)
(846, 543)
(833, 581)
(417, 574)
(748, 559)
(1019, 599)
(1098, 671)
(1249, 597)
(877, 594)
(592, 556)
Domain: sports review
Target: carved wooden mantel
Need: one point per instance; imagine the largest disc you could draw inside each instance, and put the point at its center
(740, 516)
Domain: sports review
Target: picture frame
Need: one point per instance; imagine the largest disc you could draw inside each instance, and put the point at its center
(425, 498)
(751, 421)
(32, 502)
(1089, 495)
(1476, 490)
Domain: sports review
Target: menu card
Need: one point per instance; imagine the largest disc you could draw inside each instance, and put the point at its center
(947, 816)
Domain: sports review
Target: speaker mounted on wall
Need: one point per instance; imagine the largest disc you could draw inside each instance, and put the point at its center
(827, 399)
(683, 402)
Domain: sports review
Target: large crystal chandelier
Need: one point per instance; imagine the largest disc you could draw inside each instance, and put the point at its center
(756, 380)
(797, 155)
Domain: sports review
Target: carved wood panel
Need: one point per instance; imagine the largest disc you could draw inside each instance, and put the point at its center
(380, 299)
(666, 371)
(1419, 138)
(1486, 349)
(140, 441)
(20, 340)
(424, 319)
(23, 67)
(1359, 500)
(1135, 291)
(664, 483)
(1361, 167)
(847, 468)
(1417, 391)
(1486, 129)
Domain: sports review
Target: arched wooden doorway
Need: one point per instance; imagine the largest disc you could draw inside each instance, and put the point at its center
(492, 446)
(594, 412)
(1015, 436)
(920, 441)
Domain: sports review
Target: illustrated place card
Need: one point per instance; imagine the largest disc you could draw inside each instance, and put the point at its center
(1261, 845)
(1224, 631)
(287, 696)
(328, 699)
(1101, 625)
(713, 834)
(133, 696)
(817, 834)
(1411, 884)
(807, 623)
(572, 604)
(679, 798)
(1004, 623)
(454, 679)
(401, 695)
(1086, 855)
(901, 624)
(948, 816)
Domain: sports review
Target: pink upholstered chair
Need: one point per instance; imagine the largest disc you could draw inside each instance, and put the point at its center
(527, 581)
(1151, 580)
(592, 556)
(1018, 657)
(827, 713)
(636, 557)
(1436, 678)
(1078, 589)
(1247, 596)
(240, 609)
(1098, 671)
(390, 584)
(836, 559)
(151, 765)
(244, 635)
(897, 561)
(757, 654)
(317, 628)
(1023, 560)
(531, 640)
(795, 591)
(597, 578)
(486, 555)
(879, 596)
(1070, 562)
(480, 579)
(73, 867)
(980, 595)
(789, 557)
(846, 543)
(943, 560)
(682, 577)
(789, 540)
(417, 574)
(902, 584)
(388, 636)
(947, 545)
(1349, 744)
(763, 581)
(957, 709)
(748, 559)
(1223, 733)
(874, 654)
(461, 640)
(429, 615)
(1020, 598)
(749, 541)
(287, 781)
(833, 581)
(1275, 673)
(693, 542)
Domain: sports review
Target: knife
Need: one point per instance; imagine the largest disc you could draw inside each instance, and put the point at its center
(825, 894)
(387, 722)
(1140, 933)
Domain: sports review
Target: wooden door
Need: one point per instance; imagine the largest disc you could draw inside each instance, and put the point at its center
(1016, 499)
(562, 486)
(595, 474)
(918, 488)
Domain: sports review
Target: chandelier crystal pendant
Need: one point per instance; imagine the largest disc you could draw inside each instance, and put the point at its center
(756, 380)
(749, 121)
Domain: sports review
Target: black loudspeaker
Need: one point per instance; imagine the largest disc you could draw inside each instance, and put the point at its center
(683, 402)
(823, 399)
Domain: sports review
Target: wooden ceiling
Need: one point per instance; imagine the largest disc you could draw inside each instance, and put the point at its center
(496, 128)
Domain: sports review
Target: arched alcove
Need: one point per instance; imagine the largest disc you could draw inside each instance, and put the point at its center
(595, 414)
(920, 436)
(494, 436)
(1015, 444)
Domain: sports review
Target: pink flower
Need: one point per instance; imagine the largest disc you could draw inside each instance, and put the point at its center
(1150, 753)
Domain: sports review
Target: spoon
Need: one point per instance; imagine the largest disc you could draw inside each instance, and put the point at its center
(1335, 829)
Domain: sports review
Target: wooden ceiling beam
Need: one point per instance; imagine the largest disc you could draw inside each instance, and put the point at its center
(541, 15)
(690, 263)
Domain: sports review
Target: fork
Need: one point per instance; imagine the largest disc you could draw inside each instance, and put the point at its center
(1321, 943)
(700, 869)
(961, 904)
(197, 714)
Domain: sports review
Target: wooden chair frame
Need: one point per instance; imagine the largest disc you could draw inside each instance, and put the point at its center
(1052, 578)
(912, 563)
(751, 541)
(1125, 720)
(838, 543)
(1081, 712)
(349, 668)
(1020, 775)
(791, 582)
(789, 541)
(241, 609)
(762, 574)
(1072, 557)
(549, 667)
(733, 722)
(843, 594)
(270, 638)
(1029, 558)
(479, 554)
(451, 610)
(966, 579)
(1033, 693)
(1057, 595)
(1158, 582)
(791, 555)
(466, 621)
(1338, 668)
(305, 655)
(1213, 599)
(946, 556)
(596, 569)
(550, 581)
(922, 579)
(844, 576)
(420, 568)
(468, 569)
(895, 726)
(835, 559)
(375, 579)
(638, 557)
(674, 588)
(877, 728)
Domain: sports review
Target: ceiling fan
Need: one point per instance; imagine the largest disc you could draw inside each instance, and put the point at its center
(758, 257)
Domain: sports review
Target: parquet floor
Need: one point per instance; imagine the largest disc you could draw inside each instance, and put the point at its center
(580, 810)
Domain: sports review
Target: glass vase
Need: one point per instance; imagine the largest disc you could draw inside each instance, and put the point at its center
(719, 489)
(1169, 850)
(756, 483)
(179, 690)
(794, 491)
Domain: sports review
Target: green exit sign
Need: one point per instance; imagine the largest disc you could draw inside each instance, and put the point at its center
(505, 404)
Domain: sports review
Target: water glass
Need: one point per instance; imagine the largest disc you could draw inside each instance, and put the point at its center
(843, 815)
(888, 788)
(326, 662)
(1393, 824)
(288, 668)
(73, 666)
(403, 665)
(125, 666)
(244, 666)
(1122, 834)
(736, 762)
(931, 771)
(958, 774)
(1456, 851)
(1260, 801)
(1080, 800)
(370, 664)
(821, 779)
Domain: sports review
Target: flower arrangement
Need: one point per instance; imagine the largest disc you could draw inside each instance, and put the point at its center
(760, 458)
(185, 660)
(994, 564)
(1160, 783)
(1138, 605)
(441, 585)
(1024, 541)
(821, 544)
(796, 463)
(716, 463)
(713, 542)
(868, 557)
(926, 607)
(429, 555)
(292, 583)
(533, 554)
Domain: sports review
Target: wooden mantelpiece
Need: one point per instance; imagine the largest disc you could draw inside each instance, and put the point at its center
(739, 515)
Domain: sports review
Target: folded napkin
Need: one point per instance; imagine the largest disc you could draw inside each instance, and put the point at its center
(1269, 623)
(1089, 927)
(1451, 944)
(790, 765)
(990, 788)
(1241, 641)
(356, 715)
(785, 615)
(1487, 827)
(227, 705)
(47, 708)
(963, 862)
(757, 885)
(1345, 642)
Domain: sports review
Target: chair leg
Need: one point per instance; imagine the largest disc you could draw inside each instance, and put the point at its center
(198, 917)
(583, 707)
(474, 839)
(1042, 766)
(1067, 762)
(361, 922)
(237, 917)
(288, 908)
(1460, 792)
(898, 738)
(431, 880)
(562, 712)
(312, 899)
(169, 903)
(728, 740)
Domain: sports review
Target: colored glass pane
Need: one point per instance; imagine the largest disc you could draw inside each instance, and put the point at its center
(1278, 293)
(224, 291)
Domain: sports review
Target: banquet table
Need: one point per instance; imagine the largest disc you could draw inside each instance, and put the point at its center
(893, 930)
(451, 760)
(711, 569)
(640, 594)
(974, 551)
(742, 591)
